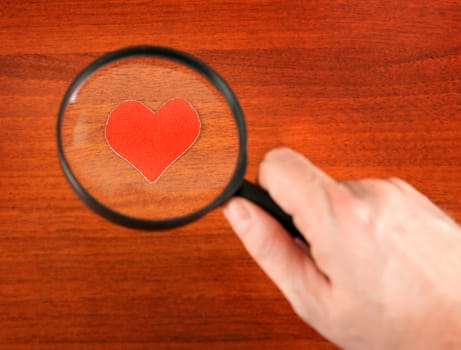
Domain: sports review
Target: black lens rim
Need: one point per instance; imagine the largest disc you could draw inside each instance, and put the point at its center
(199, 66)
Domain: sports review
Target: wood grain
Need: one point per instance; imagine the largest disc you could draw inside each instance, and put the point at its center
(363, 88)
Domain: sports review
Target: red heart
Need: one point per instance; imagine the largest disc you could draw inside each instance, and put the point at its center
(152, 141)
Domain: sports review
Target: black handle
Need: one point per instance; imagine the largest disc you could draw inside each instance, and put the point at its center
(260, 197)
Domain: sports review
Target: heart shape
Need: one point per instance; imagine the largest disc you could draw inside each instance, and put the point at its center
(152, 141)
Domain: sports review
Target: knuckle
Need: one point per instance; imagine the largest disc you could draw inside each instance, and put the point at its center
(400, 184)
(396, 180)
(383, 190)
(374, 184)
(361, 210)
(358, 208)
(373, 197)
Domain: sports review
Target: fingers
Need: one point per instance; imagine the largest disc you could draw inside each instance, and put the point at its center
(391, 196)
(283, 260)
(411, 192)
(291, 179)
(300, 188)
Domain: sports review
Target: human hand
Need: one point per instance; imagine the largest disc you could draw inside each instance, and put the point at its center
(383, 270)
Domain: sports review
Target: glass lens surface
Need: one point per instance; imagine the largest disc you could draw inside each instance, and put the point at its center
(116, 171)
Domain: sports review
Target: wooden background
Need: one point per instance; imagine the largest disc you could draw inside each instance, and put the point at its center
(364, 88)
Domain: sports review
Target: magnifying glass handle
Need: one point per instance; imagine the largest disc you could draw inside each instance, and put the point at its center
(261, 197)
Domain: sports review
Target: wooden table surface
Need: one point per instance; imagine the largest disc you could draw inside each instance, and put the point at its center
(363, 88)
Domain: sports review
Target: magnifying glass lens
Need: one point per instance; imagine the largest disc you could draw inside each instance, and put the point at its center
(149, 138)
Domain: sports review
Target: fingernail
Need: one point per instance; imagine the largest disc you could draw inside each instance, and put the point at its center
(237, 214)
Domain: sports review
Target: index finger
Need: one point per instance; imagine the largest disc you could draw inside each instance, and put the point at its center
(301, 190)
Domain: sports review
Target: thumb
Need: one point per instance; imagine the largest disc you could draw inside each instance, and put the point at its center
(281, 258)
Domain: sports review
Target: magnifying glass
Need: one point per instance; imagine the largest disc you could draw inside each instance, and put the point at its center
(153, 138)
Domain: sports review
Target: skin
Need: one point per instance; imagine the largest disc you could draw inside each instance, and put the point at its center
(383, 270)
